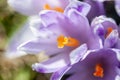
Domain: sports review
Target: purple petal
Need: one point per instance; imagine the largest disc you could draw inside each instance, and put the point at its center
(23, 35)
(55, 23)
(78, 53)
(27, 7)
(117, 51)
(97, 8)
(81, 25)
(50, 17)
(75, 76)
(85, 68)
(33, 7)
(39, 29)
(118, 70)
(111, 40)
(117, 77)
(99, 30)
(53, 64)
(48, 45)
(105, 22)
(117, 45)
(63, 25)
(117, 6)
(58, 75)
(81, 7)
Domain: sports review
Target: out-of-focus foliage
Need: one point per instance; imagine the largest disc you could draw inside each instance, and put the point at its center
(20, 68)
(9, 19)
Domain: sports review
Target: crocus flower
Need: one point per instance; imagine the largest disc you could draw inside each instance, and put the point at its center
(117, 6)
(33, 7)
(99, 65)
(102, 64)
(66, 37)
(107, 31)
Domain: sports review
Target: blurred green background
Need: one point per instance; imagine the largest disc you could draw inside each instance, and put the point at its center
(20, 68)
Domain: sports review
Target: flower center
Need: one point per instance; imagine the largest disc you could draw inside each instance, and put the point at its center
(98, 71)
(67, 41)
(109, 30)
(48, 7)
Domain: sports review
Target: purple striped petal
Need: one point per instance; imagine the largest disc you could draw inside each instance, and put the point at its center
(111, 40)
(117, 6)
(81, 7)
(105, 21)
(58, 75)
(53, 64)
(49, 46)
(78, 54)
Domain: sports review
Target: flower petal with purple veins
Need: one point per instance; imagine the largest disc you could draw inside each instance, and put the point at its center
(58, 75)
(106, 22)
(39, 45)
(81, 7)
(117, 45)
(49, 17)
(117, 51)
(77, 54)
(99, 30)
(111, 40)
(39, 29)
(80, 22)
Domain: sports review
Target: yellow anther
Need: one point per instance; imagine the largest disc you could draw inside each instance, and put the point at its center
(72, 42)
(48, 7)
(109, 30)
(98, 71)
(58, 9)
(67, 41)
(60, 45)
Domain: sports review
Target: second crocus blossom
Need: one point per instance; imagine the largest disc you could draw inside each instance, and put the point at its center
(117, 6)
(99, 65)
(107, 30)
(33, 7)
(66, 37)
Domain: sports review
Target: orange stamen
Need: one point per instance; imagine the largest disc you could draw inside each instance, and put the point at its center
(67, 41)
(109, 30)
(98, 71)
(58, 9)
(48, 7)
(72, 42)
